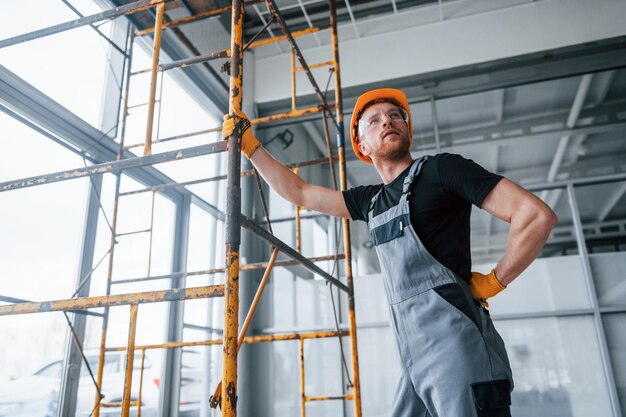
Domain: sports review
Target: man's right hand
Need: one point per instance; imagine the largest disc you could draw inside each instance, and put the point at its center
(240, 121)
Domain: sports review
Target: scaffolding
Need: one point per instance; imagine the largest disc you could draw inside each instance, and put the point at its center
(225, 395)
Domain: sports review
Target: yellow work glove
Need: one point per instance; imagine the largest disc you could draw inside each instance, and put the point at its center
(485, 286)
(240, 121)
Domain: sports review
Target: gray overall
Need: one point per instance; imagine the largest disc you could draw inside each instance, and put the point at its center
(454, 363)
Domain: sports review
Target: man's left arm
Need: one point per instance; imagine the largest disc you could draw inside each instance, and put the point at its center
(531, 222)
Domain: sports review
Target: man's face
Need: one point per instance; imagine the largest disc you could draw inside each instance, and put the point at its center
(384, 132)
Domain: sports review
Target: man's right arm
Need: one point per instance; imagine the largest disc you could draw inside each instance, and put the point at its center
(297, 191)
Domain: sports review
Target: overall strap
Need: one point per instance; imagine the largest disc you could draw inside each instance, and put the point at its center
(373, 200)
(416, 167)
(415, 170)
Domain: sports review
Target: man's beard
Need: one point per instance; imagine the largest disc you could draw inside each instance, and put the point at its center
(396, 152)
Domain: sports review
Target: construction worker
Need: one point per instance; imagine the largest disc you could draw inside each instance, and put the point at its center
(454, 362)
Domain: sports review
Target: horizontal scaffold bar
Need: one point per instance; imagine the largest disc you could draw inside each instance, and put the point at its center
(226, 52)
(249, 339)
(267, 119)
(213, 271)
(71, 304)
(110, 167)
(83, 21)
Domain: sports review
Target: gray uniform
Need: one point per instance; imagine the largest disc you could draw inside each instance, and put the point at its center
(454, 363)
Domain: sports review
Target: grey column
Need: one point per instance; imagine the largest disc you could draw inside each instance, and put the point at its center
(170, 375)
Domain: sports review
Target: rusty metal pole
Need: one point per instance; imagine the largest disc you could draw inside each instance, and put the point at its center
(130, 357)
(346, 224)
(233, 220)
(160, 10)
(143, 361)
(216, 398)
(302, 385)
(293, 81)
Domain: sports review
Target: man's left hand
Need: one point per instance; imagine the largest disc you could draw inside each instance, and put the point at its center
(485, 286)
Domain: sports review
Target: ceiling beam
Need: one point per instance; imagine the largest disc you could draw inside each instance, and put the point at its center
(612, 201)
(572, 119)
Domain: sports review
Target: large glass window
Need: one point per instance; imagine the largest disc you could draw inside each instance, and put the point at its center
(616, 341)
(76, 59)
(551, 376)
(40, 241)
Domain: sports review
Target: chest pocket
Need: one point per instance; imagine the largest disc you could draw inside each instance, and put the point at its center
(391, 230)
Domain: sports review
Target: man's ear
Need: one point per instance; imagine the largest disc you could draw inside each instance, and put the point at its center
(363, 148)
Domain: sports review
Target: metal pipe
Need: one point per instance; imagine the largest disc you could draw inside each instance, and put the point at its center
(233, 220)
(321, 64)
(289, 115)
(261, 120)
(151, 233)
(298, 222)
(182, 63)
(195, 17)
(160, 10)
(257, 297)
(143, 360)
(96, 28)
(248, 340)
(289, 251)
(183, 20)
(293, 81)
(116, 166)
(72, 304)
(83, 21)
(135, 232)
(330, 398)
(333, 175)
(130, 358)
(217, 398)
(302, 385)
(345, 223)
(212, 271)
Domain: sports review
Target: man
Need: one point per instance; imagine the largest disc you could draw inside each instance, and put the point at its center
(454, 363)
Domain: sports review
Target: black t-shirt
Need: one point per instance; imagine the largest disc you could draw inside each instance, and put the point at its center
(440, 203)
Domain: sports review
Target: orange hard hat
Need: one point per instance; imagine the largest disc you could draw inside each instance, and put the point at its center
(392, 95)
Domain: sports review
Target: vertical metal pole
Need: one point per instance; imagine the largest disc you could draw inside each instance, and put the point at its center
(130, 358)
(597, 317)
(296, 171)
(151, 232)
(169, 392)
(293, 80)
(143, 361)
(346, 225)
(105, 317)
(210, 373)
(233, 220)
(160, 10)
(302, 385)
(433, 108)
